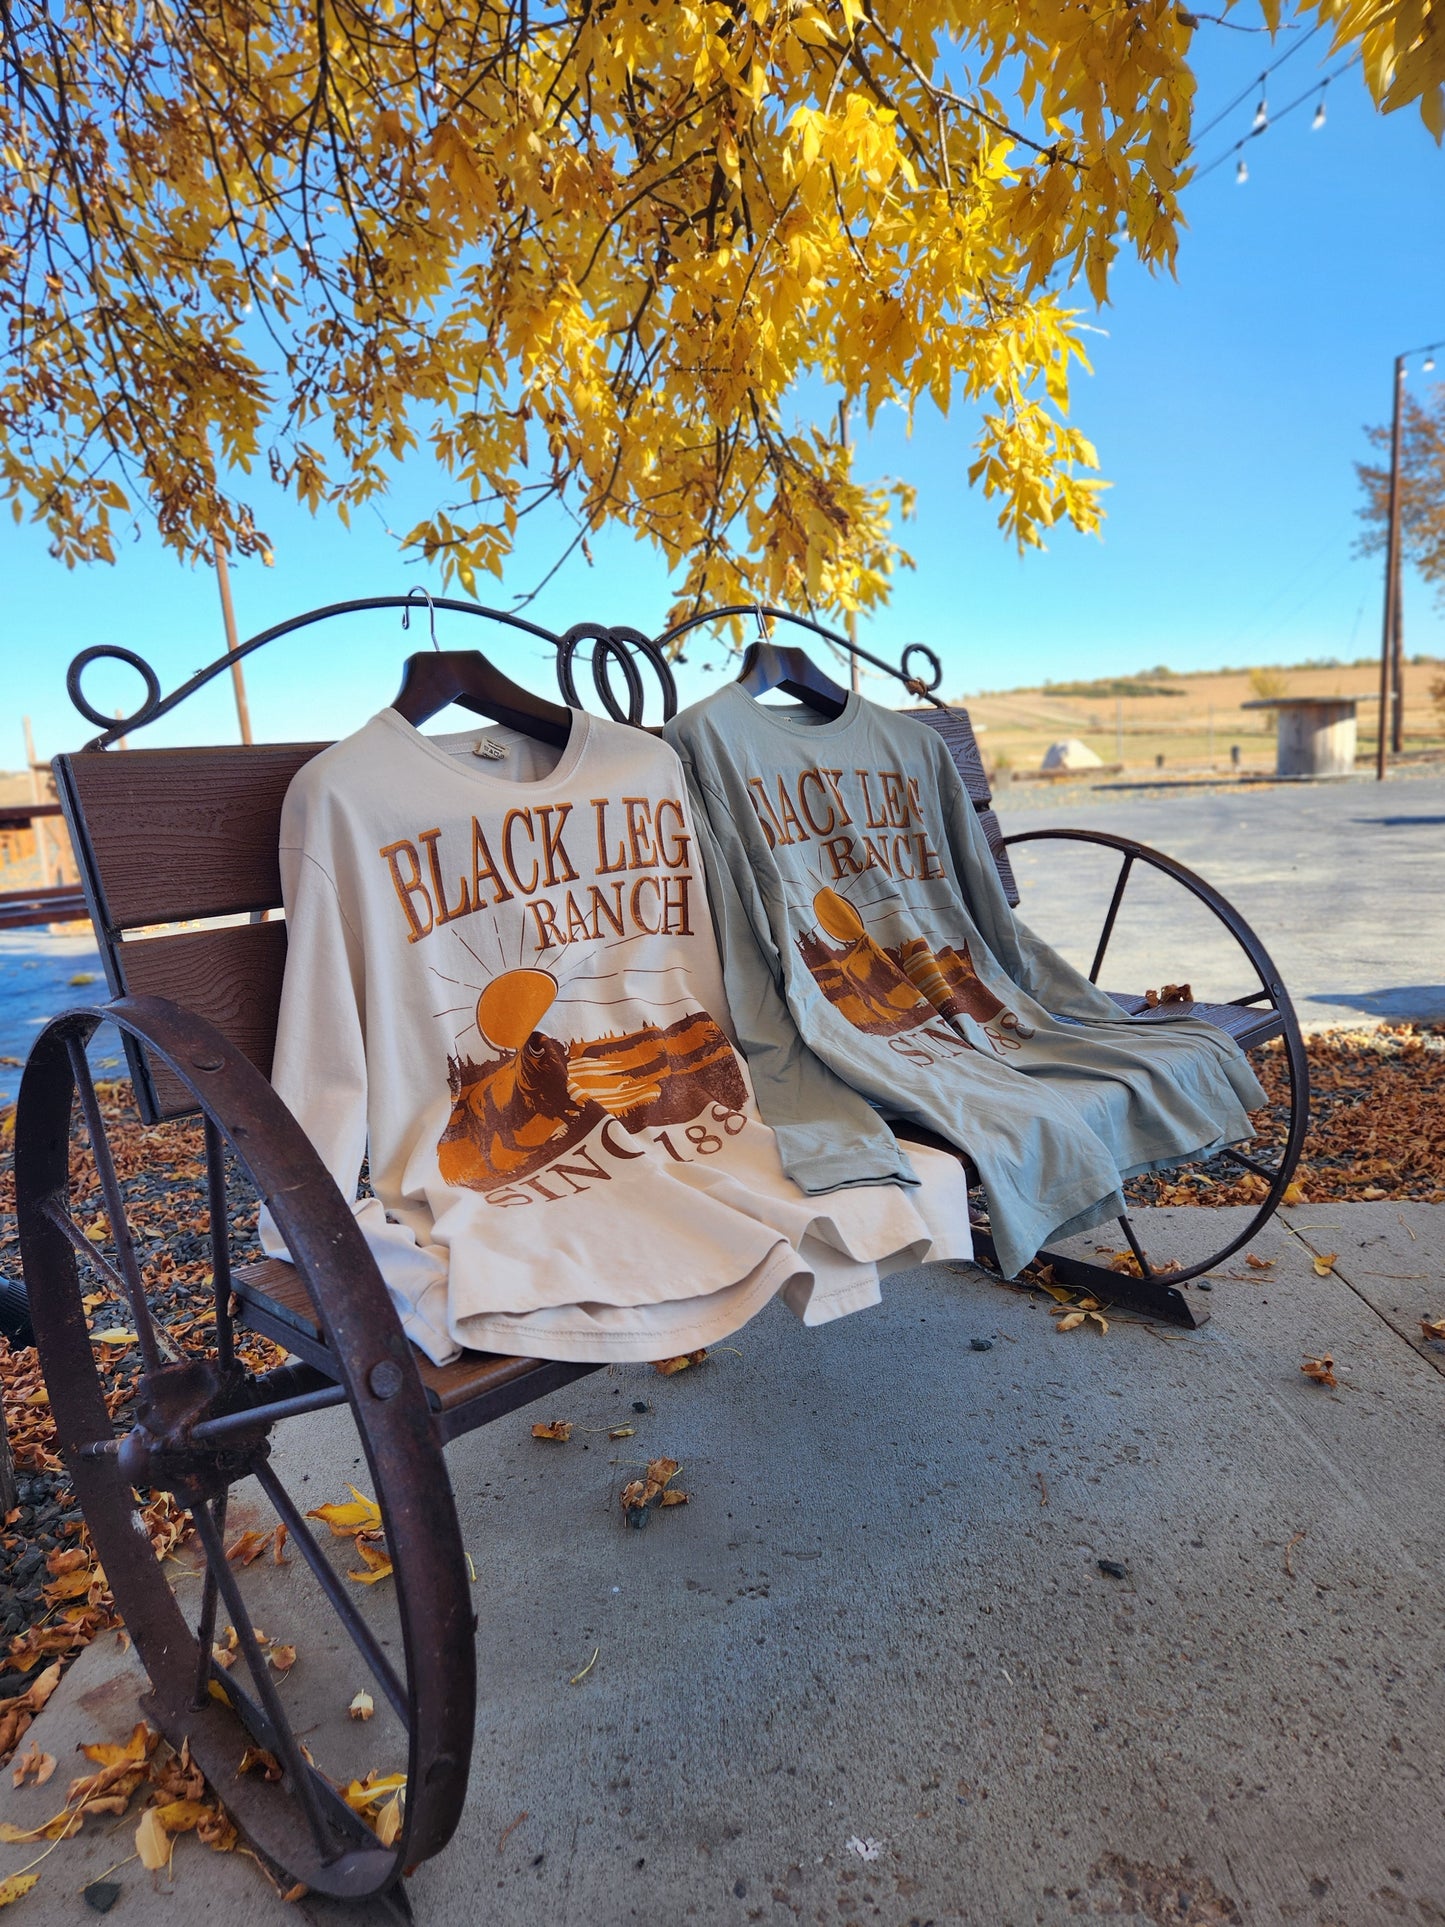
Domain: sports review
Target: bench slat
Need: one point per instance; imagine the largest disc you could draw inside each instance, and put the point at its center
(175, 834)
(231, 977)
(274, 1286)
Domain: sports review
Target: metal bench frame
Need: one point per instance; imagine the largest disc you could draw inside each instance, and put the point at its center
(197, 1011)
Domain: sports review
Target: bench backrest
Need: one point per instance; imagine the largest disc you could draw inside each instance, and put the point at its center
(166, 837)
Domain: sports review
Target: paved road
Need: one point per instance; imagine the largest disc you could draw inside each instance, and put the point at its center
(1345, 883)
(874, 1671)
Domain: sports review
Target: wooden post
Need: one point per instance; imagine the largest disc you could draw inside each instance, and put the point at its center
(228, 616)
(851, 624)
(1392, 576)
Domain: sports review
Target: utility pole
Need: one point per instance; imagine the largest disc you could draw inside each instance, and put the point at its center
(1392, 660)
(228, 617)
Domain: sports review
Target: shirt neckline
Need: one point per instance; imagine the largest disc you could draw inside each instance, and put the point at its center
(780, 719)
(579, 736)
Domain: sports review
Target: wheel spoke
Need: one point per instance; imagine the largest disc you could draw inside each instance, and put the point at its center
(1136, 1247)
(1104, 935)
(341, 1604)
(220, 1239)
(206, 1632)
(114, 1204)
(1268, 1172)
(293, 1759)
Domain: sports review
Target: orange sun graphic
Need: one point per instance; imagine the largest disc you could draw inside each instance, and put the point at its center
(512, 1006)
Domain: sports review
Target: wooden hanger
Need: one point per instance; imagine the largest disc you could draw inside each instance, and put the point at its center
(430, 681)
(766, 666)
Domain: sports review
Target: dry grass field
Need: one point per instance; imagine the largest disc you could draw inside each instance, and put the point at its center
(1190, 720)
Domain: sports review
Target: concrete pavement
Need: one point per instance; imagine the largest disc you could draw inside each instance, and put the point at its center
(1343, 881)
(874, 1672)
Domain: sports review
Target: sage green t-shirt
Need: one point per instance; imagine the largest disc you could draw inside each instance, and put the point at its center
(869, 948)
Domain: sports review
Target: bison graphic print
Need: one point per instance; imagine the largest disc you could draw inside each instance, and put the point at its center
(503, 990)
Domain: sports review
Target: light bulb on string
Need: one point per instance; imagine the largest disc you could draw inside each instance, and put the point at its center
(1319, 120)
(1428, 365)
(1241, 173)
(1261, 113)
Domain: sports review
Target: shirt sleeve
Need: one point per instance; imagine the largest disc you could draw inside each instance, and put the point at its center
(829, 1137)
(319, 1073)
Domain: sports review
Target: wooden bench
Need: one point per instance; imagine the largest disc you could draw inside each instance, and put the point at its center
(176, 837)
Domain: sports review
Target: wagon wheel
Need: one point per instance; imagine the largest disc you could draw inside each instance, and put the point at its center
(1254, 1020)
(206, 1420)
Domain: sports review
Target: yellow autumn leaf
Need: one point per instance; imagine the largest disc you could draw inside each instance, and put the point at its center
(15, 1886)
(364, 1515)
(375, 1559)
(362, 1706)
(1325, 1262)
(152, 1842)
(115, 1335)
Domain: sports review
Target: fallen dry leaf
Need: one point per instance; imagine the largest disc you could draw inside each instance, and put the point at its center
(388, 1820)
(362, 1707)
(557, 1429)
(1170, 994)
(279, 1555)
(152, 1842)
(248, 1547)
(33, 1762)
(1321, 1370)
(347, 1520)
(256, 1759)
(380, 1800)
(1433, 1327)
(375, 1558)
(669, 1366)
(1258, 1264)
(639, 1494)
(1325, 1263)
(281, 1658)
(622, 1432)
(1293, 1193)
(674, 1497)
(15, 1887)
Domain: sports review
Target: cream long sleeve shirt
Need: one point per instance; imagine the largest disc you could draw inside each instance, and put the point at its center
(503, 988)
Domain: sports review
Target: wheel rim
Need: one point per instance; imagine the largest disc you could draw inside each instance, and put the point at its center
(205, 1421)
(1272, 992)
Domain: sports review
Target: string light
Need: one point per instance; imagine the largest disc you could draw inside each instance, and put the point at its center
(1261, 113)
(1319, 120)
(1260, 126)
(1428, 365)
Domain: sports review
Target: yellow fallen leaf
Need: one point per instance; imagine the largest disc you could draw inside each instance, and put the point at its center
(115, 1335)
(622, 1432)
(362, 1707)
(347, 1520)
(674, 1498)
(388, 1821)
(1070, 1321)
(152, 1842)
(183, 1816)
(1293, 1194)
(1432, 1327)
(16, 1886)
(1325, 1263)
(362, 1795)
(256, 1759)
(279, 1555)
(1321, 1370)
(377, 1561)
(282, 1658)
(669, 1366)
(558, 1429)
(42, 1397)
(136, 1750)
(218, 1692)
(1258, 1264)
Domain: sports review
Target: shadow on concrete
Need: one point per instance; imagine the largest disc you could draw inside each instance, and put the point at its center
(1401, 822)
(1425, 1003)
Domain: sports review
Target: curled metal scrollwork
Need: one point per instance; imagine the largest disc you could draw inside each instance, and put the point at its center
(617, 644)
(112, 652)
(614, 647)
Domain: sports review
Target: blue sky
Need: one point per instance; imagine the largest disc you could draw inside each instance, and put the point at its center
(1227, 407)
